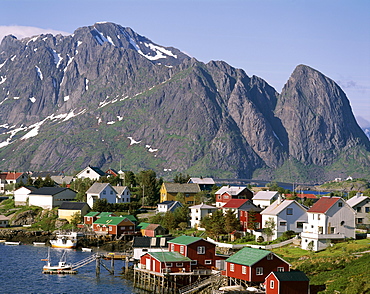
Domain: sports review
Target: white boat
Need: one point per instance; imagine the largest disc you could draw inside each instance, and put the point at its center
(39, 243)
(86, 249)
(62, 264)
(13, 243)
(67, 240)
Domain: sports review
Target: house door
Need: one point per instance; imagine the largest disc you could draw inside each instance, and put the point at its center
(147, 266)
(153, 268)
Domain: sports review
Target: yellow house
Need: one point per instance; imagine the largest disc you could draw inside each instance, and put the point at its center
(68, 209)
(170, 190)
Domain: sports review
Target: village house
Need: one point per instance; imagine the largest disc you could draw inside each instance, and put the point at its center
(141, 227)
(254, 265)
(63, 180)
(11, 178)
(302, 197)
(227, 193)
(21, 195)
(44, 174)
(165, 262)
(154, 230)
(330, 218)
(200, 251)
(250, 216)
(114, 225)
(123, 194)
(361, 205)
(288, 215)
(106, 191)
(68, 210)
(90, 217)
(265, 198)
(292, 282)
(165, 206)
(197, 212)
(4, 221)
(143, 245)
(50, 197)
(93, 173)
(205, 184)
(169, 191)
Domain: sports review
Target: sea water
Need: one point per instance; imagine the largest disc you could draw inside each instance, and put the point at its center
(21, 272)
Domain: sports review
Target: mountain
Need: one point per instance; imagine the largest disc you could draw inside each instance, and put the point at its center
(106, 95)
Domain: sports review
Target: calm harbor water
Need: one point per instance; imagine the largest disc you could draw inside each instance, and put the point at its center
(21, 272)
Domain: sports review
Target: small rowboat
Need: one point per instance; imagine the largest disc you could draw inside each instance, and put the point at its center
(13, 243)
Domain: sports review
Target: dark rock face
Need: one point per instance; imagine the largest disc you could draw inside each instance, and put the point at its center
(106, 94)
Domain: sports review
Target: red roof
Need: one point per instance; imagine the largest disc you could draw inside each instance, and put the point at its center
(323, 204)
(308, 196)
(235, 203)
(13, 175)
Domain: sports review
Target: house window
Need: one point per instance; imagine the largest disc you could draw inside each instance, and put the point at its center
(182, 249)
(358, 209)
(172, 247)
(272, 284)
(244, 270)
(283, 224)
(289, 211)
(231, 267)
(111, 192)
(88, 218)
(130, 227)
(208, 261)
(87, 171)
(280, 269)
(194, 262)
(340, 204)
(110, 228)
(145, 250)
(367, 209)
(360, 220)
(259, 271)
(168, 264)
(179, 264)
(332, 230)
(342, 223)
(104, 192)
(201, 250)
(270, 257)
(299, 225)
(318, 216)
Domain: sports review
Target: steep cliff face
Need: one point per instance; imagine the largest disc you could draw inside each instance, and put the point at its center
(317, 117)
(106, 95)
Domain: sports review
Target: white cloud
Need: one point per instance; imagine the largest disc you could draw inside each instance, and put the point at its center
(23, 31)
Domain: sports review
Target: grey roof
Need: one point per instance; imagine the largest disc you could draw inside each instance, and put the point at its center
(202, 181)
(147, 242)
(44, 174)
(276, 207)
(356, 200)
(48, 191)
(119, 189)
(232, 190)
(98, 170)
(203, 206)
(97, 188)
(264, 195)
(73, 205)
(62, 179)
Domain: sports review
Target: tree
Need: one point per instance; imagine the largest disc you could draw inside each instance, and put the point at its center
(48, 182)
(181, 214)
(180, 178)
(102, 205)
(81, 186)
(180, 197)
(214, 224)
(169, 221)
(200, 197)
(231, 222)
(251, 222)
(76, 219)
(130, 180)
(269, 228)
(148, 186)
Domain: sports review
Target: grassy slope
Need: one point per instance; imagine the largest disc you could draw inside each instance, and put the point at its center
(338, 268)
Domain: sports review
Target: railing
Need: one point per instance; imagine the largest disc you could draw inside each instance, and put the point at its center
(198, 284)
(322, 236)
(85, 261)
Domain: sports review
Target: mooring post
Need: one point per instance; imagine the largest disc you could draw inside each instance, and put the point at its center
(112, 265)
(97, 266)
(126, 264)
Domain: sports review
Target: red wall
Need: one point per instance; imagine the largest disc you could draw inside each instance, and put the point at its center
(161, 265)
(286, 287)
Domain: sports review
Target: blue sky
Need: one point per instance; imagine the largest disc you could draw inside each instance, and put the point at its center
(265, 38)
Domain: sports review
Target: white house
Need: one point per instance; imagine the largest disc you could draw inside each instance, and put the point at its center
(330, 218)
(165, 206)
(197, 212)
(21, 195)
(50, 197)
(12, 178)
(265, 198)
(101, 191)
(4, 221)
(93, 173)
(123, 194)
(204, 183)
(361, 205)
(288, 215)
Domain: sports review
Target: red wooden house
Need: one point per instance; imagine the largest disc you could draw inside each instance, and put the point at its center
(90, 217)
(153, 230)
(254, 265)
(200, 251)
(226, 193)
(165, 262)
(114, 225)
(294, 282)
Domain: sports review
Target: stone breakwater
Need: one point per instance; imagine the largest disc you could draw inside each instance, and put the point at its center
(26, 237)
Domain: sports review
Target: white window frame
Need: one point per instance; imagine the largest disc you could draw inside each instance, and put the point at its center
(280, 269)
(244, 270)
(208, 261)
(259, 271)
(182, 249)
(179, 264)
(232, 267)
(272, 284)
(201, 249)
(168, 264)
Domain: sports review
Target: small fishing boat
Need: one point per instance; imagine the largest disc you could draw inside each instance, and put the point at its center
(13, 243)
(62, 264)
(66, 241)
(86, 249)
(39, 243)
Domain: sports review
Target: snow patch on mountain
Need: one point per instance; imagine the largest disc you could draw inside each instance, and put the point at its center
(12, 59)
(39, 73)
(57, 58)
(2, 64)
(132, 141)
(159, 50)
(66, 98)
(33, 99)
(3, 79)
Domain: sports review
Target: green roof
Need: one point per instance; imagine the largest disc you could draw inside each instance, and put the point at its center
(105, 214)
(142, 226)
(169, 256)
(297, 276)
(130, 217)
(112, 220)
(248, 256)
(185, 240)
(92, 213)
